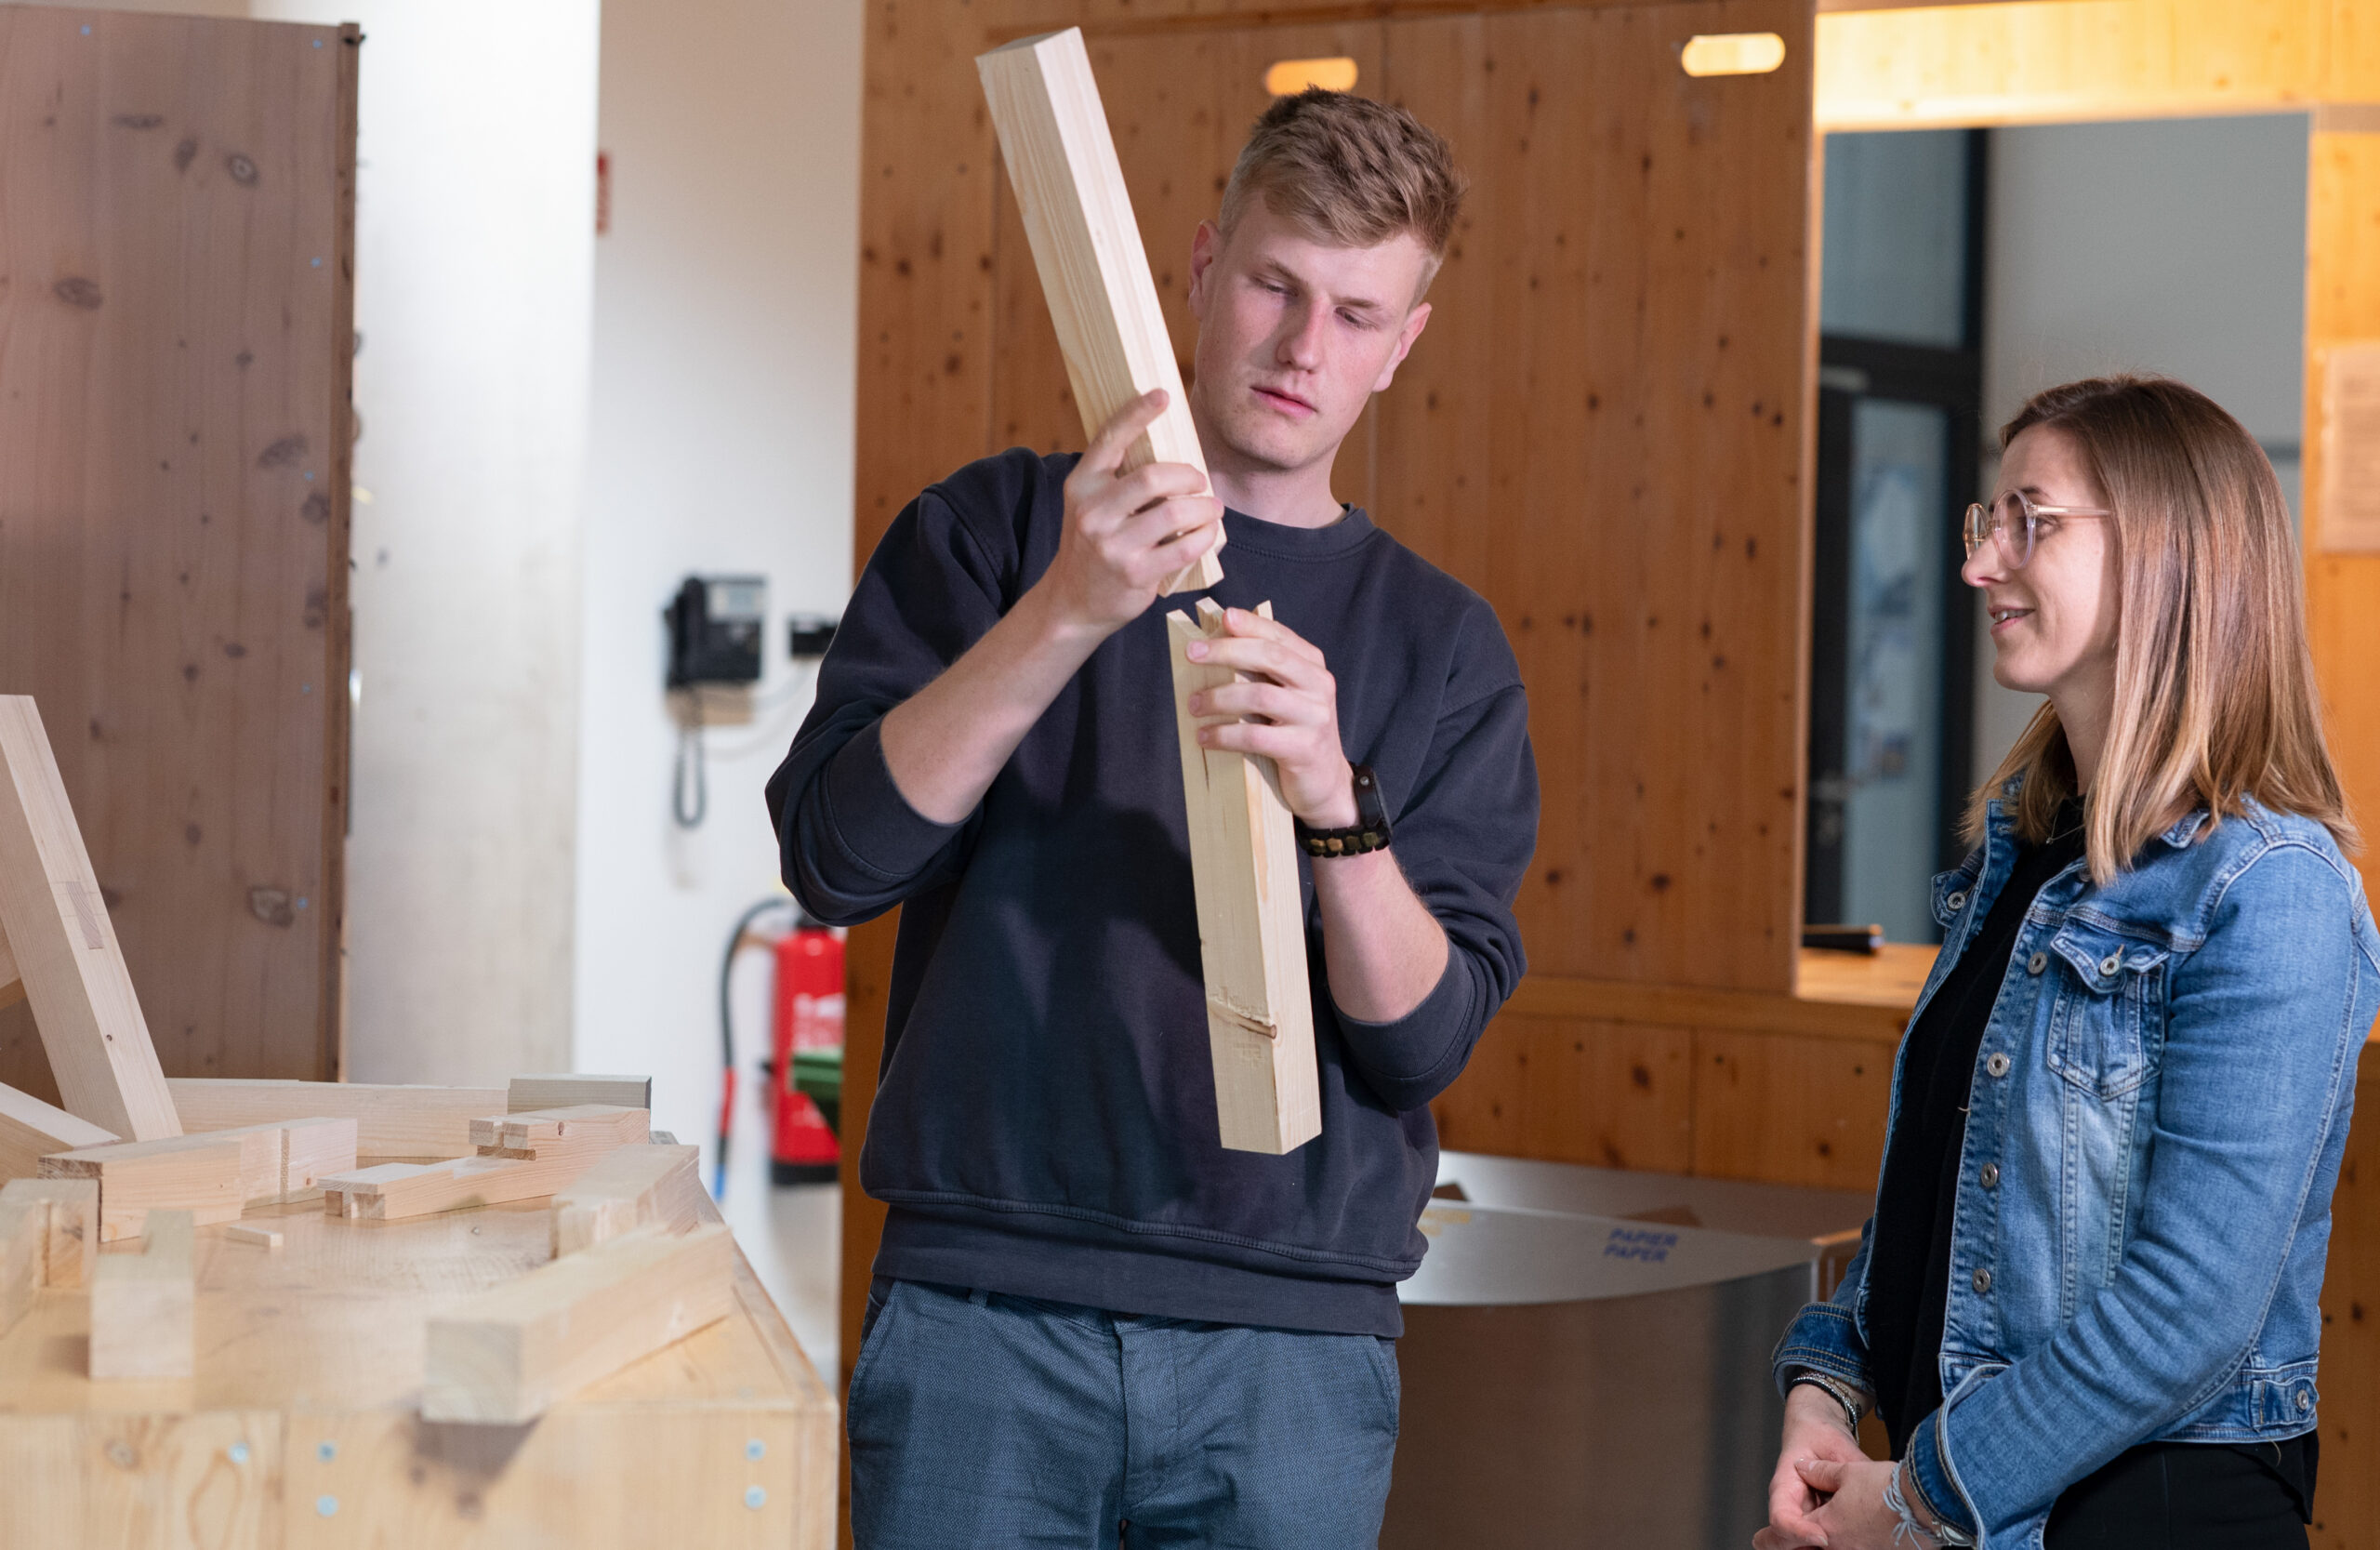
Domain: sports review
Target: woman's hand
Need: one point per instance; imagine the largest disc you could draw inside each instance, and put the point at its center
(1815, 1432)
(1854, 1516)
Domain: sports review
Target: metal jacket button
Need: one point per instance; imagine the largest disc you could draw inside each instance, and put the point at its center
(1990, 1174)
(1957, 902)
(1983, 1280)
(2305, 1401)
(1997, 1064)
(2036, 963)
(2111, 963)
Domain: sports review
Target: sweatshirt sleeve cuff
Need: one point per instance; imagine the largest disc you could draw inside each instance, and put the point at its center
(1413, 1059)
(868, 821)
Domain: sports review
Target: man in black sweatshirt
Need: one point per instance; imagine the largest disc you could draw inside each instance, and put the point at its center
(1091, 1324)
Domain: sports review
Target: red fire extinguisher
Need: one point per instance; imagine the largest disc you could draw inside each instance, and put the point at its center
(808, 1015)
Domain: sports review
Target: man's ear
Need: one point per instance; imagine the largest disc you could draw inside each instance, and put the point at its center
(1205, 246)
(1415, 320)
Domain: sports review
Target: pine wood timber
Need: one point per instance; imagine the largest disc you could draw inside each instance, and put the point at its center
(75, 975)
(30, 1129)
(550, 1130)
(252, 1232)
(631, 1187)
(392, 1123)
(174, 495)
(143, 1305)
(1251, 922)
(12, 986)
(566, 1089)
(510, 1353)
(73, 1226)
(2068, 61)
(525, 1157)
(323, 1341)
(214, 1176)
(1078, 218)
(24, 1254)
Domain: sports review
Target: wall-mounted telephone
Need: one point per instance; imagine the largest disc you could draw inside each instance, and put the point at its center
(714, 629)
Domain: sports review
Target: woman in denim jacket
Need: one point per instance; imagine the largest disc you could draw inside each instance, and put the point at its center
(2085, 1306)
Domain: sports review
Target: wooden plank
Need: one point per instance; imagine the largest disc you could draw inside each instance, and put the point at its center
(2067, 60)
(1251, 922)
(525, 1157)
(12, 986)
(75, 975)
(214, 1176)
(143, 1305)
(74, 1239)
(566, 1089)
(1079, 218)
(510, 1354)
(30, 1129)
(253, 1232)
(1789, 1110)
(392, 1123)
(629, 1188)
(542, 1132)
(24, 1254)
(1609, 1095)
(174, 495)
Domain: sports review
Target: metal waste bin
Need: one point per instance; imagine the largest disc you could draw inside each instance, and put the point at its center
(1585, 1359)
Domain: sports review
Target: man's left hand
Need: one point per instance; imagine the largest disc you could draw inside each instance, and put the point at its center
(1294, 705)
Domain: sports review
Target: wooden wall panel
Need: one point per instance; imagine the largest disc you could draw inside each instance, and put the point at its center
(1609, 1095)
(1603, 433)
(175, 328)
(2347, 1503)
(1784, 1110)
(2343, 591)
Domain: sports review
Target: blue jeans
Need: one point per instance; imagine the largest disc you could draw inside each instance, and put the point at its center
(986, 1421)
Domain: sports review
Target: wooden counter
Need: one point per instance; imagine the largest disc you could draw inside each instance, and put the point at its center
(302, 1427)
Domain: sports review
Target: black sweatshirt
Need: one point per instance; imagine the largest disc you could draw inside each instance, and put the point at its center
(1044, 1122)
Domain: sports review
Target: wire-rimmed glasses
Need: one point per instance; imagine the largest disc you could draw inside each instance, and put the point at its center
(2016, 519)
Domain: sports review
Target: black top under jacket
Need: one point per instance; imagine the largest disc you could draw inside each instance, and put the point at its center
(1044, 1123)
(1908, 1261)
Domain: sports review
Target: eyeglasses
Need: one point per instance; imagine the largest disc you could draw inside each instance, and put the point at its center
(2017, 520)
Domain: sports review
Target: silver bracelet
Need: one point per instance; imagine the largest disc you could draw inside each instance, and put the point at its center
(1853, 1403)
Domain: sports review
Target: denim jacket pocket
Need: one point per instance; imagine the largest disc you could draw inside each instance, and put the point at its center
(2098, 1029)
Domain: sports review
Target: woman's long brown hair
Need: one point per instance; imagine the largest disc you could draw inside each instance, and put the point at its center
(2214, 685)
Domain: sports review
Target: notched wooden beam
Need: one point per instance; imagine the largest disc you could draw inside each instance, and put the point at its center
(144, 1305)
(508, 1354)
(634, 1186)
(1251, 922)
(392, 1123)
(213, 1176)
(521, 1157)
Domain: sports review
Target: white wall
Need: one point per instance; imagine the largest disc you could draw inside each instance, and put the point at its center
(2175, 246)
(726, 299)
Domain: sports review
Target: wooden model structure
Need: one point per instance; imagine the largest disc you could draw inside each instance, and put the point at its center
(1243, 854)
(331, 1313)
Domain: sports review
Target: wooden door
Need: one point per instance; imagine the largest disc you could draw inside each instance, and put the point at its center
(177, 199)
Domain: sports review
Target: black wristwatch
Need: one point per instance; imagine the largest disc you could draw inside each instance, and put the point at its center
(1371, 831)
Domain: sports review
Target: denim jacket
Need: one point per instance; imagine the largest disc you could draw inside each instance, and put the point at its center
(2144, 1199)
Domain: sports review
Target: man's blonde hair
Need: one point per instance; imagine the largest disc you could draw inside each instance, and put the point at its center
(1348, 171)
(2214, 685)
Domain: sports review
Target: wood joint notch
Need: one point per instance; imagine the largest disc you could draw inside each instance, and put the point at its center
(521, 1156)
(213, 1176)
(1251, 921)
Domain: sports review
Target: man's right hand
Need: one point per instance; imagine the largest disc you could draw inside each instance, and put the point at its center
(1127, 533)
(1813, 1429)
